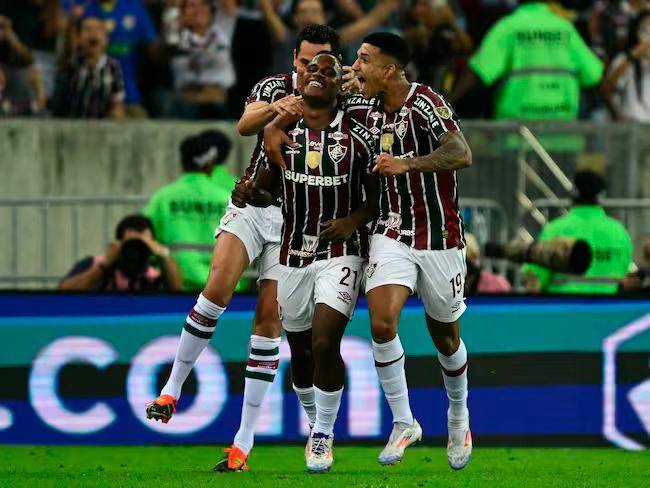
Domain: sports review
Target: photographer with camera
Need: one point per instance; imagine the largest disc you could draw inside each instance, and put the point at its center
(608, 240)
(126, 266)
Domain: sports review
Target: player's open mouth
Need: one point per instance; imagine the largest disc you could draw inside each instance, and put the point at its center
(315, 83)
(362, 82)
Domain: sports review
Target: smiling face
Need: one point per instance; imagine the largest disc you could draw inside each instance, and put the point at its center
(304, 56)
(323, 79)
(373, 69)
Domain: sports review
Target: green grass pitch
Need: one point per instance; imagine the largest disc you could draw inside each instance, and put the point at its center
(278, 466)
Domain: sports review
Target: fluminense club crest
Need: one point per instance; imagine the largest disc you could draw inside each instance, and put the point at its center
(337, 152)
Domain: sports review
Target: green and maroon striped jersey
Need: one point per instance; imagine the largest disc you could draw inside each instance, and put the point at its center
(419, 209)
(269, 89)
(323, 180)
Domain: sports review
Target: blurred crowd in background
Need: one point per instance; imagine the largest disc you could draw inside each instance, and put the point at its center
(198, 59)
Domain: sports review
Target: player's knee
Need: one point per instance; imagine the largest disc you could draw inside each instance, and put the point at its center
(324, 348)
(383, 330)
(447, 345)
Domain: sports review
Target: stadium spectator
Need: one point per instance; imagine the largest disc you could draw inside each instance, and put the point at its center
(90, 85)
(307, 12)
(129, 28)
(540, 61)
(609, 25)
(202, 67)
(479, 280)
(610, 244)
(627, 87)
(39, 24)
(24, 92)
(126, 265)
(438, 45)
(185, 213)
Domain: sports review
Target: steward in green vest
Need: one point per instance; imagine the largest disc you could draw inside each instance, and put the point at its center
(610, 243)
(186, 212)
(540, 61)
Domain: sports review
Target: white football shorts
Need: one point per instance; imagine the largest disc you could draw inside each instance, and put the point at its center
(260, 230)
(438, 277)
(334, 282)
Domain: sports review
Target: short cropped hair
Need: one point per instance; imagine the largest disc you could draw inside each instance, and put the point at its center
(390, 44)
(136, 222)
(319, 34)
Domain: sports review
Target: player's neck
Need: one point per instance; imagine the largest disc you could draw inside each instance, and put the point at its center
(319, 118)
(395, 94)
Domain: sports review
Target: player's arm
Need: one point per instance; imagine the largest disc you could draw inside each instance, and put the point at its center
(454, 153)
(262, 192)
(257, 114)
(343, 228)
(275, 137)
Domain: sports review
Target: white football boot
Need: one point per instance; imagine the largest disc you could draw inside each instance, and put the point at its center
(459, 445)
(320, 457)
(400, 438)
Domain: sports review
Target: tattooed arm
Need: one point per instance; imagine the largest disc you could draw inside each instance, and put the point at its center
(453, 153)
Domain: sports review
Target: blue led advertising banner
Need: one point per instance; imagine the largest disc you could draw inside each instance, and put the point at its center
(79, 369)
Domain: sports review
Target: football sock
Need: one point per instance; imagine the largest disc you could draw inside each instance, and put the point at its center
(389, 362)
(327, 408)
(199, 327)
(261, 369)
(454, 374)
(308, 402)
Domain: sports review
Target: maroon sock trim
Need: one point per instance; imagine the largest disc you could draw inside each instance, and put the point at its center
(383, 365)
(458, 372)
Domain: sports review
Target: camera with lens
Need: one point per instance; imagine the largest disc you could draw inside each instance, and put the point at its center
(134, 258)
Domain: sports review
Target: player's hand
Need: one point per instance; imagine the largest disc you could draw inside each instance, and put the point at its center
(274, 139)
(112, 253)
(351, 83)
(337, 230)
(242, 194)
(387, 165)
(289, 105)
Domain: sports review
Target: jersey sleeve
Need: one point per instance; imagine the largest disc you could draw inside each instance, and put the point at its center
(268, 90)
(440, 116)
(364, 145)
(589, 67)
(493, 58)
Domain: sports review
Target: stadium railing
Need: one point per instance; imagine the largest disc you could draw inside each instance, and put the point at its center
(47, 235)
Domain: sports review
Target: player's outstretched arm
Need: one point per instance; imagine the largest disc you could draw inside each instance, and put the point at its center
(454, 153)
(342, 229)
(257, 114)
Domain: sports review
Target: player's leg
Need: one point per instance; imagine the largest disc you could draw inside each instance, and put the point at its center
(229, 260)
(262, 364)
(296, 304)
(302, 371)
(238, 244)
(391, 278)
(441, 285)
(336, 291)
